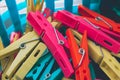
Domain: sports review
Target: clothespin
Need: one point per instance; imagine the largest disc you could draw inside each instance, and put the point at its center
(94, 32)
(32, 7)
(44, 69)
(1, 44)
(66, 78)
(94, 18)
(1, 47)
(39, 5)
(14, 36)
(8, 61)
(94, 52)
(30, 61)
(102, 57)
(53, 40)
(47, 14)
(24, 45)
(92, 72)
(98, 19)
(79, 56)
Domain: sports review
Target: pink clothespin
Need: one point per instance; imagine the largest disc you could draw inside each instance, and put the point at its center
(94, 32)
(53, 40)
(46, 12)
(14, 36)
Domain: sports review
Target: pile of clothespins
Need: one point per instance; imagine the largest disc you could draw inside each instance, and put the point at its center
(62, 44)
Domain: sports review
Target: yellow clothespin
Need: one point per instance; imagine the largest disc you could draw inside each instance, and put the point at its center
(30, 7)
(1, 44)
(23, 46)
(39, 5)
(30, 61)
(5, 63)
(110, 65)
(55, 23)
(103, 57)
(66, 78)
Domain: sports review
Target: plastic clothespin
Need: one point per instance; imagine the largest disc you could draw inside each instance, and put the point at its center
(102, 57)
(32, 7)
(47, 12)
(53, 40)
(98, 19)
(92, 18)
(44, 69)
(14, 36)
(92, 72)
(66, 78)
(94, 32)
(79, 56)
(24, 45)
(8, 61)
(39, 5)
(30, 61)
(1, 47)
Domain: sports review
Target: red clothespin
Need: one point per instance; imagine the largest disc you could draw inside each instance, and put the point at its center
(79, 56)
(94, 32)
(53, 40)
(98, 19)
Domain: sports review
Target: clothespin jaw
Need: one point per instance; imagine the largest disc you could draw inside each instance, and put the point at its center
(94, 32)
(42, 70)
(74, 49)
(30, 6)
(39, 5)
(105, 22)
(79, 56)
(53, 39)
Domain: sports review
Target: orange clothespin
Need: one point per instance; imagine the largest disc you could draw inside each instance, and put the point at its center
(79, 56)
(98, 19)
